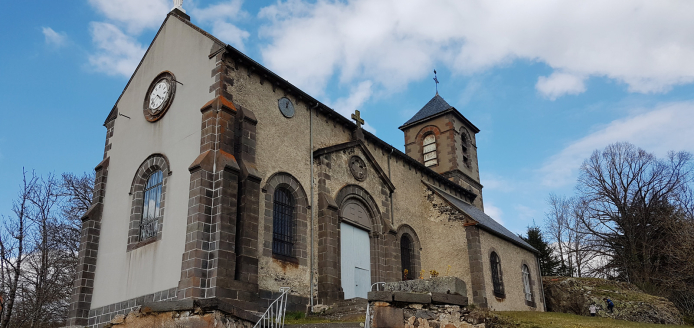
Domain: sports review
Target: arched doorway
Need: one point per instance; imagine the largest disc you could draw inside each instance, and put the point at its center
(355, 250)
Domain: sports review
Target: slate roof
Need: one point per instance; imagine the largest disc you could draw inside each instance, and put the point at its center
(435, 106)
(484, 221)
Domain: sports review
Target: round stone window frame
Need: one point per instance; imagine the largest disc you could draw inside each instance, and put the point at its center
(170, 78)
(355, 173)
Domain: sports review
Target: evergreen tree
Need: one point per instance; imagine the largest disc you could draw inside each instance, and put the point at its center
(549, 264)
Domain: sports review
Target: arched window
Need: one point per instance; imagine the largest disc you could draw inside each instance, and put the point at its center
(497, 279)
(407, 257)
(526, 284)
(151, 210)
(283, 223)
(429, 150)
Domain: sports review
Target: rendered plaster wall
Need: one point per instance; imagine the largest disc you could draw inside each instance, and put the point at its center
(122, 275)
(512, 258)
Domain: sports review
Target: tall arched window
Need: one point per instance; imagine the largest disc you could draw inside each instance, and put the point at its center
(429, 150)
(407, 257)
(151, 211)
(283, 223)
(526, 283)
(497, 279)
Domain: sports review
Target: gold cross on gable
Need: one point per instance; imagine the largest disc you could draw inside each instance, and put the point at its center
(357, 118)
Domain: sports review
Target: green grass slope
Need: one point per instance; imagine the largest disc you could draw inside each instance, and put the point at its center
(560, 320)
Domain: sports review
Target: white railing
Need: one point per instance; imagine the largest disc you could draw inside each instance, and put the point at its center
(274, 315)
(368, 305)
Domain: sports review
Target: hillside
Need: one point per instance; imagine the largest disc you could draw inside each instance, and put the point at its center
(574, 295)
(560, 320)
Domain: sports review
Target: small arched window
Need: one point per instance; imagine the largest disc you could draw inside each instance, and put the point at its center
(429, 150)
(497, 279)
(526, 284)
(283, 223)
(407, 257)
(151, 210)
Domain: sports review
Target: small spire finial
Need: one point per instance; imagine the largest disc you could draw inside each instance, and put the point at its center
(437, 83)
(178, 4)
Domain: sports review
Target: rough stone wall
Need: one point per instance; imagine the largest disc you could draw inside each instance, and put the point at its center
(512, 258)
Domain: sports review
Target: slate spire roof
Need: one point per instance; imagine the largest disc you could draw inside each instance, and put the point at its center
(435, 106)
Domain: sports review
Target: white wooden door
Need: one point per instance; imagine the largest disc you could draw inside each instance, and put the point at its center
(355, 252)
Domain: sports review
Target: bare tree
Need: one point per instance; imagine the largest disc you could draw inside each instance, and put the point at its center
(557, 227)
(39, 250)
(13, 244)
(631, 198)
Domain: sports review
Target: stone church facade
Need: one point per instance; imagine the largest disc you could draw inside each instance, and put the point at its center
(222, 180)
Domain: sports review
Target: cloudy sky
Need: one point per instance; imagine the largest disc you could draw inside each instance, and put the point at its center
(546, 81)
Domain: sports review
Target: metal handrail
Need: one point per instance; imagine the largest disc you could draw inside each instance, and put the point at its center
(368, 305)
(274, 315)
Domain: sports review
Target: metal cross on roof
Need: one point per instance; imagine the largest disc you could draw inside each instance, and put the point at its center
(437, 82)
(358, 119)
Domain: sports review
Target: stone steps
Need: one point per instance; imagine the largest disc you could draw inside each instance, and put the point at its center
(347, 310)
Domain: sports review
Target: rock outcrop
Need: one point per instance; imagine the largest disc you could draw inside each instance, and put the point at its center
(575, 295)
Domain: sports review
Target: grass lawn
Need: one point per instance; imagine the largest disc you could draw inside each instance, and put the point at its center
(565, 320)
(298, 318)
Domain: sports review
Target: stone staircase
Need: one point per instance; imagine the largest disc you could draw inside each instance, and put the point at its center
(346, 310)
(328, 325)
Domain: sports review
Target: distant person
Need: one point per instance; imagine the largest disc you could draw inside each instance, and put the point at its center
(610, 305)
(593, 309)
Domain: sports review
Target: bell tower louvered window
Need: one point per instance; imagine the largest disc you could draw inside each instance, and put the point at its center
(283, 223)
(429, 150)
(497, 279)
(151, 211)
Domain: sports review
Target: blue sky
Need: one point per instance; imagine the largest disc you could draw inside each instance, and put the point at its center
(547, 82)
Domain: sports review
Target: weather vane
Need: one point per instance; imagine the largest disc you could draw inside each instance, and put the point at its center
(437, 83)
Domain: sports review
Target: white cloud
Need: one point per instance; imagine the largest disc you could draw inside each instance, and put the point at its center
(54, 38)
(658, 130)
(230, 34)
(220, 16)
(134, 15)
(358, 96)
(559, 84)
(496, 183)
(494, 212)
(644, 44)
(524, 213)
(118, 53)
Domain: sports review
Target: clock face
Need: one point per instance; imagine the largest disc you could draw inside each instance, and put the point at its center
(286, 107)
(159, 95)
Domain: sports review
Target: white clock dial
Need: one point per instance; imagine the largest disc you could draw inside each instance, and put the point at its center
(159, 95)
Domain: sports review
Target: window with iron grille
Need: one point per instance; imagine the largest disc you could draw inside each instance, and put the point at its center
(407, 257)
(526, 284)
(497, 279)
(283, 223)
(151, 207)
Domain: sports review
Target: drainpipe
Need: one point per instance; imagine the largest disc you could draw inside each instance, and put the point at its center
(542, 288)
(310, 129)
(392, 215)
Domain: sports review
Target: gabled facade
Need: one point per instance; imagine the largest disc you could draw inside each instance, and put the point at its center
(223, 181)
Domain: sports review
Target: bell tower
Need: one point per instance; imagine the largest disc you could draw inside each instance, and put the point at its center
(442, 139)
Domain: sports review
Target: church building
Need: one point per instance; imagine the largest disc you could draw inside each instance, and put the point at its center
(221, 180)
